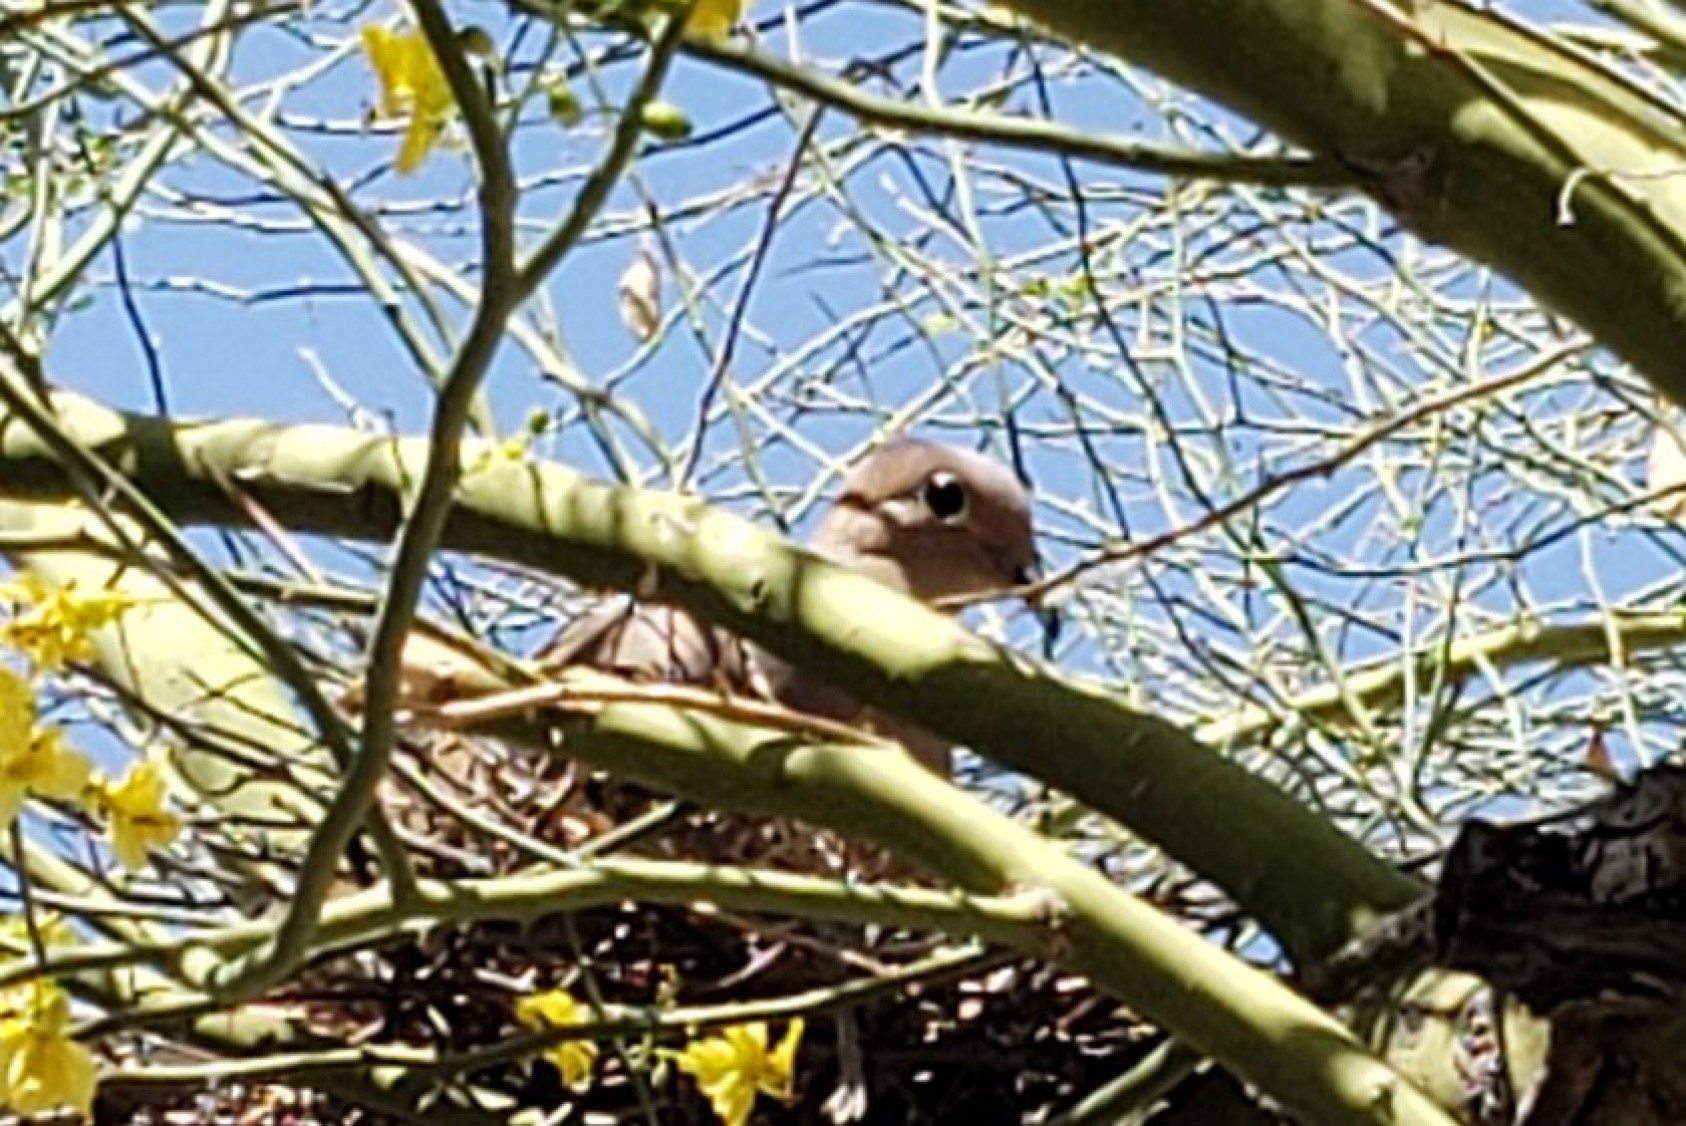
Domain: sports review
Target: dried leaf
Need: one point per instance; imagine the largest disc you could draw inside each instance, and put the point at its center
(640, 293)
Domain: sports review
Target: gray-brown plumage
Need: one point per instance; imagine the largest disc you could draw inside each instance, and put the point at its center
(931, 521)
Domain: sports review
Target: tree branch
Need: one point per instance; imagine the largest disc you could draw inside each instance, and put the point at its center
(1312, 886)
(1499, 142)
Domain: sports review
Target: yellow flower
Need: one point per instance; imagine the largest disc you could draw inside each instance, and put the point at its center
(51, 623)
(31, 761)
(713, 19)
(411, 83)
(41, 1068)
(558, 1009)
(139, 821)
(732, 1067)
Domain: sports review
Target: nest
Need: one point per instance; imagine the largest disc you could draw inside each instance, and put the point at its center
(918, 1028)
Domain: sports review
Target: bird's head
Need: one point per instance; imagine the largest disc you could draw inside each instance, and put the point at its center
(934, 521)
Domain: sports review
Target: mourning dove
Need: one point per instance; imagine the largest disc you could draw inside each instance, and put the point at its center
(931, 521)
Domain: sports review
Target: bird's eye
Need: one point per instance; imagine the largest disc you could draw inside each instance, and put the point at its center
(946, 497)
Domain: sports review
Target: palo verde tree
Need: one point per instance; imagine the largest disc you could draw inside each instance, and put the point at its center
(349, 350)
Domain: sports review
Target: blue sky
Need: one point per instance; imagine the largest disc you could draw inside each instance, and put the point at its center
(895, 293)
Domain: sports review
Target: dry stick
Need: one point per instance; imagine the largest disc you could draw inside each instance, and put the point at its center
(881, 647)
(1276, 484)
(585, 696)
(506, 284)
(1027, 134)
(97, 481)
(499, 296)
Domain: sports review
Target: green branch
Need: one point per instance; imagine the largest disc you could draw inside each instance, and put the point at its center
(1310, 885)
(1204, 995)
(1023, 133)
(1501, 143)
(1058, 908)
(1569, 644)
(241, 1032)
(376, 916)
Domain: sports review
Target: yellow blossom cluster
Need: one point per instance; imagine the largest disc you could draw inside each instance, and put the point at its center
(51, 625)
(412, 84)
(557, 1008)
(41, 1067)
(733, 1067)
(133, 808)
(34, 762)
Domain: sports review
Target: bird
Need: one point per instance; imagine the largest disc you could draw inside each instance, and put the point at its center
(932, 521)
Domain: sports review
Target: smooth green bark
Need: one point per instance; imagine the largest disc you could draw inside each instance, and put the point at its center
(1309, 884)
(1244, 1017)
(1477, 133)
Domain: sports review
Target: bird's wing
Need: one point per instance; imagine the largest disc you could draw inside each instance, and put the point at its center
(652, 643)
